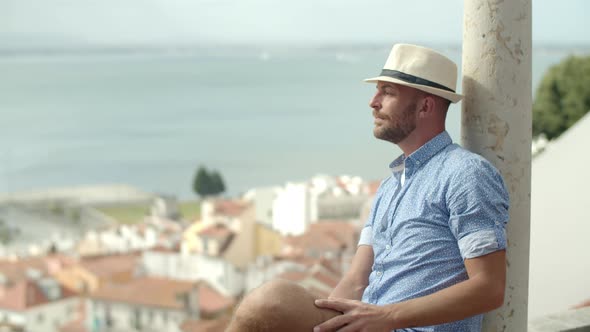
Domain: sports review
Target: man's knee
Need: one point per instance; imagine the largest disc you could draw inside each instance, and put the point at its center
(279, 305)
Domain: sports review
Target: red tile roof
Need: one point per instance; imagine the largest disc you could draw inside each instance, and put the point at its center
(230, 208)
(324, 236)
(17, 269)
(164, 249)
(23, 294)
(211, 301)
(163, 293)
(197, 325)
(217, 231)
(20, 290)
(105, 266)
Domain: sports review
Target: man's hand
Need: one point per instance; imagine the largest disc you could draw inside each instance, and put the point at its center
(356, 317)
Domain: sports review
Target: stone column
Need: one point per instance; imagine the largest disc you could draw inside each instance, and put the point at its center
(496, 123)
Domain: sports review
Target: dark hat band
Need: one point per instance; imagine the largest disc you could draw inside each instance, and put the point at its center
(413, 79)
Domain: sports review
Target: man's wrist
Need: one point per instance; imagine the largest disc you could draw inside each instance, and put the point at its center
(393, 316)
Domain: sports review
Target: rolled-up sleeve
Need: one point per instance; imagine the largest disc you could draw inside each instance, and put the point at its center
(366, 238)
(478, 209)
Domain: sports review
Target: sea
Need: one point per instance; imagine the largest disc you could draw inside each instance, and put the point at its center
(260, 115)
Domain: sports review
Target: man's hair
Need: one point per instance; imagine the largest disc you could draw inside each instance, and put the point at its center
(444, 103)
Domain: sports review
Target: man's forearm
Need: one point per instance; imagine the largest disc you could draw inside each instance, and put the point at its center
(482, 292)
(468, 298)
(354, 282)
(348, 288)
(463, 300)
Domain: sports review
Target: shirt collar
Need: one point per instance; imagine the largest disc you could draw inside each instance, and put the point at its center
(423, 154)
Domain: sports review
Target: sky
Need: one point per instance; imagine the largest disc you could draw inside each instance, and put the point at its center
(25, 23)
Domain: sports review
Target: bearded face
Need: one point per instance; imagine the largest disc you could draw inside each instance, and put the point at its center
(394, 109)
(394, 127)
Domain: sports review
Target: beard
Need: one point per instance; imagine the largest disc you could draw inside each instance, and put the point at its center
(395, 129)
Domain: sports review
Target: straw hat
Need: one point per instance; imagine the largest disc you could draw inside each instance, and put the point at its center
(421, 68)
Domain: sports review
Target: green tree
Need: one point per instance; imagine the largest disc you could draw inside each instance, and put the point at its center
(6, 233)
(563, 97)
(217, 182)
(207, 183)
(202, 182)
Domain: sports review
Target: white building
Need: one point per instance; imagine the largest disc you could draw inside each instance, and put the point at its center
(340, 206)
(146, 304)
(120, 239)
(560, 223)
(294, 209)
(152, 304)
(298, 205)
(216, 271)
(263, 199)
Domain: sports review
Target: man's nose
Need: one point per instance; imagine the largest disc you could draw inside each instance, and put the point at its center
(375, 103)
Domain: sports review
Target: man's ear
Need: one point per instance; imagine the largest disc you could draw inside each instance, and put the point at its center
(426, 106)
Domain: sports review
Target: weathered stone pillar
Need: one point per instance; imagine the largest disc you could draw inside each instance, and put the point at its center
(496, 123)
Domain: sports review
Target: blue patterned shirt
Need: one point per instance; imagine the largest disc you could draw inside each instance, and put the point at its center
(452, 206)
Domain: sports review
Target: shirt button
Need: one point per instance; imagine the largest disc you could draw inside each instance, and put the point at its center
(379, 273)
(388, 247)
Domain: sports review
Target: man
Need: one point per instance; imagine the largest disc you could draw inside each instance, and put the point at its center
(432, 254)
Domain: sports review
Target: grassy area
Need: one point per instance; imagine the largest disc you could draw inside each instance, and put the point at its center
(133, 213)
(126, 213)
(190, 210)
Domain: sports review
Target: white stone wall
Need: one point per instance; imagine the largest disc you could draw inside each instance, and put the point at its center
(13, 318)
(292, 211)
(297, 205)
(127, 317)
(220, 274)
(207, 211)
(263, 199)
(559, 267)
(127, 238)
(569, 320)
(340, 207)
(51, 316)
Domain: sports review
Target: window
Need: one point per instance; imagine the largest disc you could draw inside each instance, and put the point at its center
(70, 308)
(109, 321)
(136, 319)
